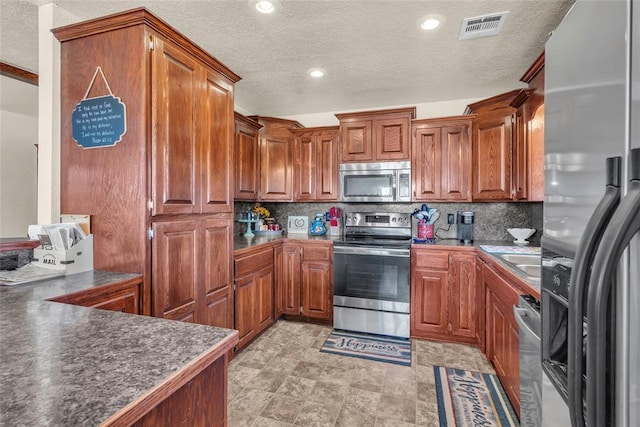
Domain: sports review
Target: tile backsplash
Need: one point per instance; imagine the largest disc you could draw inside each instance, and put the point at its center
(491, 219)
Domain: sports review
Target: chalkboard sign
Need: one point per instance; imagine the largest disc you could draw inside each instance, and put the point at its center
(99, 122)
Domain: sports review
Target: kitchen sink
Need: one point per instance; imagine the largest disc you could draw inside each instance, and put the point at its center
(528, 264)
(530, 270)
(521, 259)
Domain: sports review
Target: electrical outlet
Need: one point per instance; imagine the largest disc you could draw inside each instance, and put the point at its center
(450, 218)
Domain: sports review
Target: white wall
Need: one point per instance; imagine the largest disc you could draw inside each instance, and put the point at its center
(423, 111)
(18, 156)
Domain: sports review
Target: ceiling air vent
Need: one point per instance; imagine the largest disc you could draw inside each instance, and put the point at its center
(482, 26)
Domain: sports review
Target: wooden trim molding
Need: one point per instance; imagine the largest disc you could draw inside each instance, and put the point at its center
(315, 129)
(18, 73)
(264, 120)
(141, 16)
(534, 69)
(246, 120)
(503, 98)
(360, 114)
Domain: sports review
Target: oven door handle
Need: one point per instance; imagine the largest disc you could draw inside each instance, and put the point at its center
(358, 250)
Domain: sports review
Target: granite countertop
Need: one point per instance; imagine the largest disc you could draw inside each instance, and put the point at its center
(241, 242)
(71, 365)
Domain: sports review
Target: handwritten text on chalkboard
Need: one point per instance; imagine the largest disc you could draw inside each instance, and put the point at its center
(99, 122)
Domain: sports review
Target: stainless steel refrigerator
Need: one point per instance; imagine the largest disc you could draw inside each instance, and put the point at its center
(590, 298)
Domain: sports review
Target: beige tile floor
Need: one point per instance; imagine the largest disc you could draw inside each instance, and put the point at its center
(282, 379)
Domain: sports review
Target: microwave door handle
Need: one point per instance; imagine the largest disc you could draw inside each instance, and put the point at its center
(394, 180)
(624, 225)
(579, 283)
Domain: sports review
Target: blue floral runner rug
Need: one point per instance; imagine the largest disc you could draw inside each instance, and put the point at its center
(467, 398)
(372, 347)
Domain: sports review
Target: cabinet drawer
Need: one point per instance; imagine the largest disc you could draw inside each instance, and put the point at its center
(431, 259)
(253, 261)
(316, 253)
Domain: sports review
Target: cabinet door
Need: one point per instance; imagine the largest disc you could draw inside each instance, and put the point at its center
(247, 171)
(427, 164)
(174, 266)
(175, 171)
(327, 166)
(492, 158)
(392, 139)
(305, 168)
(316, 289)
(456, 164)
(245, 310)
(498, 335)
(216, 133)
(276, 168)
(264, 294)
(127, 303)
(291, 278)
(429, 303)
(520, 155)
(279, 283)
(462, 303)
(480, 306)
(356, 141)
(216, 279)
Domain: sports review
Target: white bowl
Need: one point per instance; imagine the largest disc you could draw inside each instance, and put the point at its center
(521, 234)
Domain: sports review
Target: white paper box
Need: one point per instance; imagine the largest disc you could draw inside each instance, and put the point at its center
(77, 259)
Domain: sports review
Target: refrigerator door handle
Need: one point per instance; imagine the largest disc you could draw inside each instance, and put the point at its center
(579, 281)
(624, 224)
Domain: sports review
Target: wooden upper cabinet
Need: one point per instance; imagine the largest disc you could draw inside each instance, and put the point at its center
(316, 164)
(247, 158)
(492, 157)
(192, 143)
(392, 138)
(441, 159)
(534, 128)
(376, 135)
(216, 134)
(356, 139)
(276, 158)
(175, 178)
(494, 140)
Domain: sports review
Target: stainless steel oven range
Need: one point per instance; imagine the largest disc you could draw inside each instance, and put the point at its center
(371, 274)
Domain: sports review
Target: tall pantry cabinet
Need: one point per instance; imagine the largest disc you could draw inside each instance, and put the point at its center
(161, 198)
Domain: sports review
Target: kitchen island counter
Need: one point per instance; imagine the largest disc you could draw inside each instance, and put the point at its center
(69, 365)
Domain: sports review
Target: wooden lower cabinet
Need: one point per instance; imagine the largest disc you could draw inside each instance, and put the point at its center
(308, 279)
(443, 294)
(502, 333)
(254, 294)
(191, 269)
(123, 296)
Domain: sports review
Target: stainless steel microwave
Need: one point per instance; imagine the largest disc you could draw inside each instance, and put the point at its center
(375, 182)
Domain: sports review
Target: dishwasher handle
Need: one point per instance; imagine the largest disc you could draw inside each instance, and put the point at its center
(520, 313)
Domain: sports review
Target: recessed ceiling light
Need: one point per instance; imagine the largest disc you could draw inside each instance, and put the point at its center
(430, 24)
(265, 6)
(431, 21)
(315, 72)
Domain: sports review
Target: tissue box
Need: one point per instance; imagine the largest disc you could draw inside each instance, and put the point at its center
(76, 259)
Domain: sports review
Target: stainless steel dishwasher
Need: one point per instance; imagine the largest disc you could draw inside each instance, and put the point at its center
(527, 314)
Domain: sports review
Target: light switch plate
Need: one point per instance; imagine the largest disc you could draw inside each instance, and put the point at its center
(298, 224)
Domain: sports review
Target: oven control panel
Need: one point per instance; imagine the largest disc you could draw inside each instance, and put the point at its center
(374, 219)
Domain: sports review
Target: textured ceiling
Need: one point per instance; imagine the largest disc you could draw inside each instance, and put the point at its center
(373, 51)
